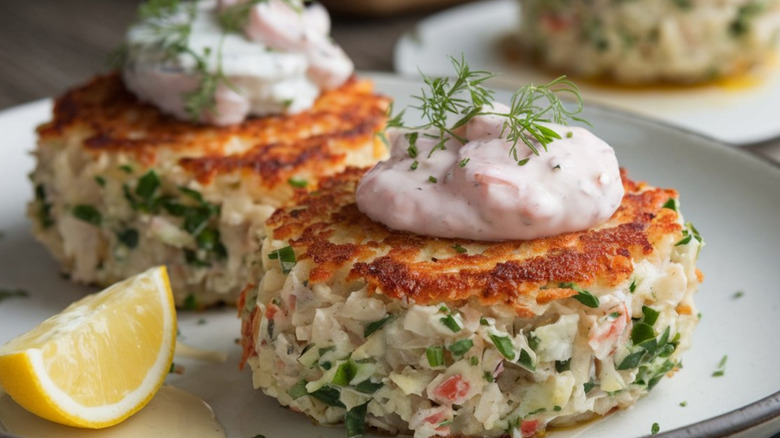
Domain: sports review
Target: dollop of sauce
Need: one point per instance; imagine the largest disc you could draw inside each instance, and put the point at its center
(279, 65)
(172, 412)
(476, 190)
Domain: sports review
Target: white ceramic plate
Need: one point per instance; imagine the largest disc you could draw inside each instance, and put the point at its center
(737, 115)
(732, 197)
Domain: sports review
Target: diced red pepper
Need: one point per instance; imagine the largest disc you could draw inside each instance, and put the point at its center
(453, 389)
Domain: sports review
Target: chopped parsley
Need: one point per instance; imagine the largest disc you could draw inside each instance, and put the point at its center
(374, 326)
(654, 429)
(433, 179)
(286, 257)
(721, 369)
(464, 162)
(355, 421)
(345, 373)
(582, 296)
(329, 396)
(128, 238)
(738, 294)
(671, 204)
(298, 183)
(88, 213)
(461, 347)
(459, 249)
(504, 346)
(190, 302)
(44, 208)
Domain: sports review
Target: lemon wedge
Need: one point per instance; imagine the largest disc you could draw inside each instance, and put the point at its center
(98, 361)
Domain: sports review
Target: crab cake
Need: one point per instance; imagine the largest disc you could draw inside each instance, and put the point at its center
(647, 41)
(355, 322)
(120, 187)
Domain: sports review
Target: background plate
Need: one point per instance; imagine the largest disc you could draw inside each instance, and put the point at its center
(732, 197)
(733, 113)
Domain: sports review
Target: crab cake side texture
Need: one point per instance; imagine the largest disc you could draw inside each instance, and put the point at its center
(449, 337)
(120, 187)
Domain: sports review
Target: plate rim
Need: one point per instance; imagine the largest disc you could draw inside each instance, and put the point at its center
(763, 412)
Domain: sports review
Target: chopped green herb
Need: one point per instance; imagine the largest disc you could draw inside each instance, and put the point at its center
(100, 181)
(13, 293)
(632, 360)
(88, 213)
(128, 238)
(582, 296)
(504, 346)
(721, 370)
(190, 302)
(563, 365)
(557, 408)
(569, 134)
(147, 187)
(298, 390)
(414, 165)
(329, 396)
(450, 323)
(738, 294)
(464, 162)
(488, 376)
(44, 210)
(683, 403)
(671, 204)
(368, 387)
(654, 429)
(632, 287)
(526, 361)
(374, 326)
(650, 315)
(286, 258)
(433, 179)
(459, 249)
(474, 361)
(299, 183)
(641, 332)
(355, 421)
(126, 168)
(345, 373)
(435, 356)
(192, 259)
(483, 321)
(412, 149)
(459, 348)
(588, 386)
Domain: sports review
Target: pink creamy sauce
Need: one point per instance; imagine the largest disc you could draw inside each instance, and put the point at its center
(573, 186)
(280, 64)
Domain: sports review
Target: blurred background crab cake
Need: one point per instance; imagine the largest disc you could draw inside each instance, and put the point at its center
(127, 178)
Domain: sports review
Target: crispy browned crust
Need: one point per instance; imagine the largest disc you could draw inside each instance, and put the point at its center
(342, 121)
(328, 229)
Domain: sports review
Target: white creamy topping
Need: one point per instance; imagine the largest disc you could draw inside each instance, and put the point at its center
(280, 64)
(573, 186)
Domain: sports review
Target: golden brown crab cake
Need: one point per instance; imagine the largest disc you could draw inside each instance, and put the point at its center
(441, 337)
(121, 187)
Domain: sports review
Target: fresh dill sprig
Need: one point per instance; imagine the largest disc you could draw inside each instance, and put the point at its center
(465, 97)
